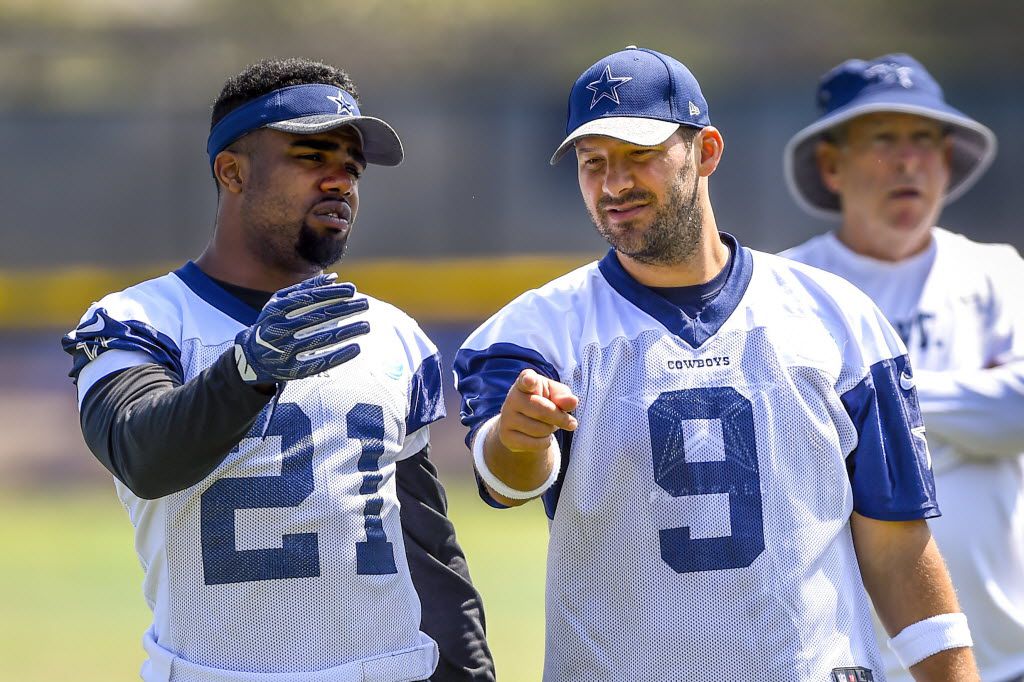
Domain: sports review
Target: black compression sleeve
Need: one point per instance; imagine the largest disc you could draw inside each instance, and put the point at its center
(452, 610)
(159, 436)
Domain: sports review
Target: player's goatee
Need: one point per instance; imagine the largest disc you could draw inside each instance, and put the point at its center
(320, 250)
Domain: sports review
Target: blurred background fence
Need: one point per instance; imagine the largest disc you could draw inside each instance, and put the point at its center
(104, 111)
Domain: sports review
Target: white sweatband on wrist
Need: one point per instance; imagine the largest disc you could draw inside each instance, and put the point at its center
(920, 640)
(492, 481)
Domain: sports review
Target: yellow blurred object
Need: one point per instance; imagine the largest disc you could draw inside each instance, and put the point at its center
(448, 290)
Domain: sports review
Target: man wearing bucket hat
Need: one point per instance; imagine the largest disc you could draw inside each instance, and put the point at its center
(885, 155)
(720, 436)
(262, 441)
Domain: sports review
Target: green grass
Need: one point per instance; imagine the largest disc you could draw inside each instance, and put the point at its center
(71, 604)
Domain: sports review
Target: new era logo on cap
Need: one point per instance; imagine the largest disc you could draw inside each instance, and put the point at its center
(637, 95)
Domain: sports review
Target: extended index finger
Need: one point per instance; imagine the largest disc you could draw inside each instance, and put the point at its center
(530, 382)
(536, 407)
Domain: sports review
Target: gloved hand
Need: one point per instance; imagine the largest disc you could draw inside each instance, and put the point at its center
(299, 332)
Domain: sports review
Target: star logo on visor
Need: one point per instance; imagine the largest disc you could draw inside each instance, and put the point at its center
(605, 86)
(343, 106)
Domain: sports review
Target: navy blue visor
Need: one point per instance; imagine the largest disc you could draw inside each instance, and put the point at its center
(305, 110)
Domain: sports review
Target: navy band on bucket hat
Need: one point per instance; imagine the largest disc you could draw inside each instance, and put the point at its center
(636, 95)
(892, 83)
(305, 110)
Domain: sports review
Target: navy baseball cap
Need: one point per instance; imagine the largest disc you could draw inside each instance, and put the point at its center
(636, 95)
(305, 110)
(892, 83)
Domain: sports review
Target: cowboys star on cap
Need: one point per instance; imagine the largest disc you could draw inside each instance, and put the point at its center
(606, 85)
(343, 106)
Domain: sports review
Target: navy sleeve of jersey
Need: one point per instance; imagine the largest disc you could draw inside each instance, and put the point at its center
(426, 397)
(101, 333)
(483, 378)
(889, 470)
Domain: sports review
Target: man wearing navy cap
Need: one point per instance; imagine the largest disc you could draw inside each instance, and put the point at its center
(262, 442)
(724, 441)
(885, 155)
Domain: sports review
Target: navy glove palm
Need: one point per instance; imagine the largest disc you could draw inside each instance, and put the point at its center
(299, 332)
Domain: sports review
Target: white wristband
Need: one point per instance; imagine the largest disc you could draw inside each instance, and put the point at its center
(492, 481)
(920, 640)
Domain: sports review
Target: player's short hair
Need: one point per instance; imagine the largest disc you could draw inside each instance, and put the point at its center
(687, 133)
(268, 75)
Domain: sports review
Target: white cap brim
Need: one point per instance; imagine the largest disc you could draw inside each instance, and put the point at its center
(646, 132)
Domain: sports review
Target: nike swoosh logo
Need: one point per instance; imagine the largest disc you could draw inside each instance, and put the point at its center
(906, 381)
(96, 326)
(261, 342)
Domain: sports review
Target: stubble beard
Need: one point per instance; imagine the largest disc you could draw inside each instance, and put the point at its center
(674, 234)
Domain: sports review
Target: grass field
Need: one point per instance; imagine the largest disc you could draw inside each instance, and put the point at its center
(71, 604)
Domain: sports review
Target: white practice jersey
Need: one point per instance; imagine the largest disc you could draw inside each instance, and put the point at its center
(958, 307)
(700, 525)
(287, 560)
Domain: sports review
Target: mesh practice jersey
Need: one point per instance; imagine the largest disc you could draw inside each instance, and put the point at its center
(700, 525)
(957, 306)
(288, 560)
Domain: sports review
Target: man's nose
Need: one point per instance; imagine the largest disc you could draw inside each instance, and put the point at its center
(338, 182)
(618, 179)
(907, 154)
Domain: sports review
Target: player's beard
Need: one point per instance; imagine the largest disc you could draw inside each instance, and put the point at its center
(289, 243)
(320, 249)
(674, 233)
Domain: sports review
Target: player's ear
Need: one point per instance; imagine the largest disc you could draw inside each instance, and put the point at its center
(230, 169)
(710, 145)
(826, 154)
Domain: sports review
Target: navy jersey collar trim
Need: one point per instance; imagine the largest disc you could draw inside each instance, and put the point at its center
(211, 292)
(694, 331)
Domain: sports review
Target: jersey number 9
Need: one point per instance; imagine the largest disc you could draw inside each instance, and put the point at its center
(735, 475)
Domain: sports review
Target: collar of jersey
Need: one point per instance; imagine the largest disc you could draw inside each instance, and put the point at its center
(211, 292)
(694, 331)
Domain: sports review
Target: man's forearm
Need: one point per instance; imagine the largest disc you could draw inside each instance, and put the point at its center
(159, 436)
(951, 665)
(906, 578)
(979, 411)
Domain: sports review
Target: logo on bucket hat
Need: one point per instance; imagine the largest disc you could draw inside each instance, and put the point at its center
(637, 95)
